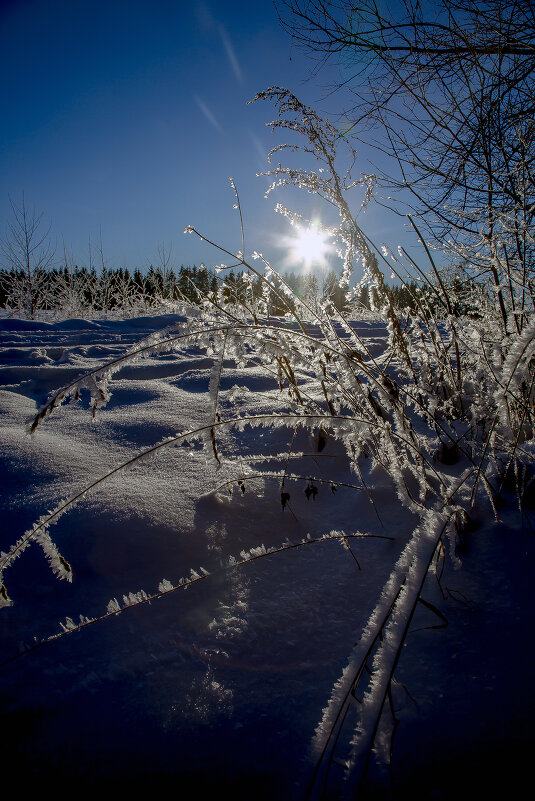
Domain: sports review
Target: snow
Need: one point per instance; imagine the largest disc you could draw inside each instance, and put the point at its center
(228, 679)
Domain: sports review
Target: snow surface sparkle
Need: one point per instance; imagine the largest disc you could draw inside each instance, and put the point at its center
(220, 687)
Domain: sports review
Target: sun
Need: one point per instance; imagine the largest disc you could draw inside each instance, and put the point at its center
(309, 245)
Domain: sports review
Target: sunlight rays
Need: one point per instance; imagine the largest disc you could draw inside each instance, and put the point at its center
(308, 246)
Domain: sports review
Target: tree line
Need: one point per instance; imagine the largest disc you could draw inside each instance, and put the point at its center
(81, 291)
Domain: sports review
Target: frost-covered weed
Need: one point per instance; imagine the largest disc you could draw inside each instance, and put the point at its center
(446, 412)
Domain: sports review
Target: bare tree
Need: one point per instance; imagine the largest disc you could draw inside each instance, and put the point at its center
(29, 253)
(449, 87)
(439, 31)
(165, 264)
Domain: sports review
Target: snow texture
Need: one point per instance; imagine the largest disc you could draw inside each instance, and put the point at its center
(228, 671)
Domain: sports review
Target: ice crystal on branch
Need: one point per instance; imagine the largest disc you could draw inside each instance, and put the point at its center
(441, 414)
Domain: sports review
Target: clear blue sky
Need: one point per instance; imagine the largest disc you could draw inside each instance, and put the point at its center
(126, 117)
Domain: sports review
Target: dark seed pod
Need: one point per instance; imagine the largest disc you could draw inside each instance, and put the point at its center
(311, 491)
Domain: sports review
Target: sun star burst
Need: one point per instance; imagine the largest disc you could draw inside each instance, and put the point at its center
(309, 246)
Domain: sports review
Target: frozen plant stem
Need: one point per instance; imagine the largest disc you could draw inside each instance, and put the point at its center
(442, 414)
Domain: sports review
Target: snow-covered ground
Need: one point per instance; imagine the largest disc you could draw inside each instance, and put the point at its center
(220, 686)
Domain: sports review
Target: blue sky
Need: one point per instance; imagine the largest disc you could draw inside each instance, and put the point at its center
(123, 119)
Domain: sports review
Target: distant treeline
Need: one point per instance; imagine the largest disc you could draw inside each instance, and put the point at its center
(78, 290)
(81, 290)
(106, 290)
